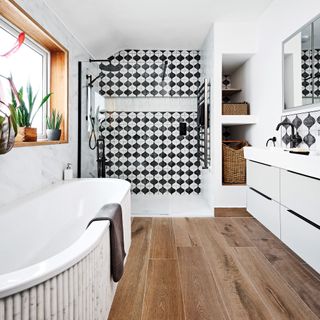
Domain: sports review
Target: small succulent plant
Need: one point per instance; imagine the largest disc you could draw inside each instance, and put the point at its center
(54, 120)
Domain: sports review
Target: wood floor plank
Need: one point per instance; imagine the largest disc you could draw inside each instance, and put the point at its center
(239, 295)
(281, 300)
(128, 300)
(234, 236)
(267, 281)
(185, 232)
(252, 228)
(163, 299)
(201, 298)
(162, 240)
(304, 281)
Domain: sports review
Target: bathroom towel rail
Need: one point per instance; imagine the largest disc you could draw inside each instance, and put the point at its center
(203, 106)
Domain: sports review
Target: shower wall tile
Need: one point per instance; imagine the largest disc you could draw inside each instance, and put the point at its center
(146, 149)
(139, 73)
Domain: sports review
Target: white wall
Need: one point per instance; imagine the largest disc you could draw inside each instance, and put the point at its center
(282, 18)
(241, 78)
(26, 169)
(229, 38)
(261, 76)
(292, 66)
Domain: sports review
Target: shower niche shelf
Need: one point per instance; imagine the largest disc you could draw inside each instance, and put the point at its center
(238, 120)
(230, 92)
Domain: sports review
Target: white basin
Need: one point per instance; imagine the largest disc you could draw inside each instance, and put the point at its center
(277, 157)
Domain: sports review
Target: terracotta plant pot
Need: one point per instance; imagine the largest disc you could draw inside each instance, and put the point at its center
(6, 136)
(26, 134)
(53, 134)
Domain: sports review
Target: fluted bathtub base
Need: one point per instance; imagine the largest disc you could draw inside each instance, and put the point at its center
(82, 292)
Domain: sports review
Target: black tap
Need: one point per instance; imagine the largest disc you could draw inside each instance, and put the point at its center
(295, 139)
(273, 139)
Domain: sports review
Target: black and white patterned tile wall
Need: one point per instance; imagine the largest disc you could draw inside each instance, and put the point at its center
(307, 125)
(146, 149)
(308, 73)
(151, 73)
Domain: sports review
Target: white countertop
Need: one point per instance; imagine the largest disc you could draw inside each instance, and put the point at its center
(276, 157)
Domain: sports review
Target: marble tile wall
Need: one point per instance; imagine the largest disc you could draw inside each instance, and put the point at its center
(27, 169)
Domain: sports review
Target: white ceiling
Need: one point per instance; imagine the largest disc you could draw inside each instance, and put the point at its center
(106, 26)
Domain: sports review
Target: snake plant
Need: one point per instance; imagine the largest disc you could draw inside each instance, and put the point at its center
(54, 120)
(26, 112)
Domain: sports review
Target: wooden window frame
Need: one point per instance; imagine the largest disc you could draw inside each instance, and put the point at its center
(59, 65)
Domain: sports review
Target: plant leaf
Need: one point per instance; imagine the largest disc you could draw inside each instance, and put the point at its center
(14, 119)
(44, 100)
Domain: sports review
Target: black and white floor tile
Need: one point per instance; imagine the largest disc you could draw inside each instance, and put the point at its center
(146, 149)
(151, 73)
(307, 125)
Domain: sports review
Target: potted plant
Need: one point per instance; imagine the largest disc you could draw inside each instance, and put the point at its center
(53, 126)
(26, 112)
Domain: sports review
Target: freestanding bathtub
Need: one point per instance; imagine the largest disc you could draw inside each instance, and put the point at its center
(51, 266)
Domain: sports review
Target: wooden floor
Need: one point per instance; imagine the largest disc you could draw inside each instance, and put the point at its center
(213, 268)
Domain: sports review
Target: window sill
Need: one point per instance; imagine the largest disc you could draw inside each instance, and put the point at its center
(38, 143)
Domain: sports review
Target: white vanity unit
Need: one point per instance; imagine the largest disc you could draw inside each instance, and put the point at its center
(284, 195)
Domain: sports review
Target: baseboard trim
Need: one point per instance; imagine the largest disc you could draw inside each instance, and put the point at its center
(231, 212)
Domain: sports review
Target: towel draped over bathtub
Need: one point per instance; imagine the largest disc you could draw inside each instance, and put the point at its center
(113, 213)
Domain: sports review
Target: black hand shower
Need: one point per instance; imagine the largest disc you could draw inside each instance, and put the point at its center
(90, 118)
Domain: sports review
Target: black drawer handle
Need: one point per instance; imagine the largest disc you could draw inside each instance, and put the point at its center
(261, 194)
(303, 175)
(304, 219)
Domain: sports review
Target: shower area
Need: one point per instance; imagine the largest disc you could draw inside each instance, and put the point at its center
(149, 128)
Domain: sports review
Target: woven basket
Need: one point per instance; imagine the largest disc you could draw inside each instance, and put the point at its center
(234, 163)
(235, 108)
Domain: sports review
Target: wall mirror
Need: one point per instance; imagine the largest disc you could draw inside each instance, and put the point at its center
(301, 67)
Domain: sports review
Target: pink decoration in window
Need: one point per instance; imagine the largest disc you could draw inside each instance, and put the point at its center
(16, 46)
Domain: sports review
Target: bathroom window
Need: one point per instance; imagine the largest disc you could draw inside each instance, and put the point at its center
(29, 64)
(42, 59)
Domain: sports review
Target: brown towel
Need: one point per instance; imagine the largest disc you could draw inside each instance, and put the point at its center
(113, 213)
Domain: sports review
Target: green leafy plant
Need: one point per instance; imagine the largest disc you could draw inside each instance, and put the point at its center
(54, 120)
(26, 112)
(12, 115)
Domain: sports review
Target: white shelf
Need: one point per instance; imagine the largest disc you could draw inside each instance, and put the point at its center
(238, 120)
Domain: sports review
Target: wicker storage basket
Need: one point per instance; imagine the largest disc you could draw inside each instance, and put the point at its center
(234, 163)
(235, 108)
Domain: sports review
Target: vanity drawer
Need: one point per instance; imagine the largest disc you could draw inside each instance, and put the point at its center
(265, 210)
(301, 194)
(264, 178)
(302, 237)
